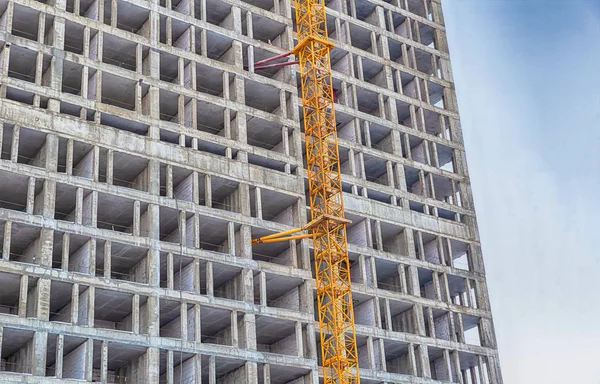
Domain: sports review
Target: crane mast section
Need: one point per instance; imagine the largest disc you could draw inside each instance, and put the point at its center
(332, 267)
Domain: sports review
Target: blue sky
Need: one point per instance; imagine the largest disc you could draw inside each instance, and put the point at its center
(527, 75)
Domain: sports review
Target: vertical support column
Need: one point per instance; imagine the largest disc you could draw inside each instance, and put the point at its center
(197, 324)
(266, 374)
(57, 34)
(299, 341)
(151, 101)
(14, 148)
(208, 191)
(263, 288)
(447, 368)
(109, 167)
(212, 370)
(89, 360)
(456, 373)
(403, 281)
(58, 365)
(431, 323)
(135, 314)
(152, 223)
(423, 361)
(381, 353)
(493, 367)
(107, 259)
(23, 290)
(169, 363)
(6, 241)
(66, 245)
(75, 304)
(69, 166)
(183, 321)
(370, 353)
(40, 343)
(30, 195)
(388, 314)
(412, 362)
(104, 362)
(170, 275)
(258, 203)
(209, 279)
(234, 329)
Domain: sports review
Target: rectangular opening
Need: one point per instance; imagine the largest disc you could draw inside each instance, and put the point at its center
(132, 18)
(114, 310)
(118, 91)
(17, 346)
(216, 326)
(25, 22)
(119, 52)
(11, 285)
(276, 336)
(74, 33)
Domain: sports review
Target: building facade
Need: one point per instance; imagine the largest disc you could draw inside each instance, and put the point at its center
(141, 153)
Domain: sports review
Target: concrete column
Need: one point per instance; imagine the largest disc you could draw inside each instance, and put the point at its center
(104, 361)
(197, 324)
(234, 329)
(153, 365)
(299, 341)
(75, 304)
(444, 368)
(23, 291)
(153, 223)
(266, 374)
(263, 288)
(183, 321)
(107, 259)
(431, 323)
(152, 102)
(209, 279)
(38, 363)
(419, 320)
(7, 240)
(135, 314)
(422, 357)
(487, 335)
(58, 365)
(89, 360)
(370, 353)
(311, 341)
(30, 195)
(412, 362)
(380, 349)
(14, 148)
(456, 373)
(169, 363)
(212, 374)
(493, 368)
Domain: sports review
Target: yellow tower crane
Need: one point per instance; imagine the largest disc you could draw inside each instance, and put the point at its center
(328, 225)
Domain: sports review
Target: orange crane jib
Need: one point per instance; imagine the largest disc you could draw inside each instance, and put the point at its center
(328, 225)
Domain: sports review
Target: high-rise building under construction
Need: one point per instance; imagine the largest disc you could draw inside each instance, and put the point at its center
(142, 151)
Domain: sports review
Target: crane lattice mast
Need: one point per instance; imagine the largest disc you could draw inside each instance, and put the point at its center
(328, 225)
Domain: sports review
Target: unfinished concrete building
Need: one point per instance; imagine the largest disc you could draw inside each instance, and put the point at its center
(141, 153)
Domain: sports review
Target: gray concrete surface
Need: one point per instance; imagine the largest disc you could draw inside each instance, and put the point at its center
(141, 153)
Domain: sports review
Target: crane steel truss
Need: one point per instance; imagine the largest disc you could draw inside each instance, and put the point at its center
(328, 225)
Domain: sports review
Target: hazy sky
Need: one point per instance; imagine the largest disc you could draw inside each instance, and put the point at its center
(527, 75)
